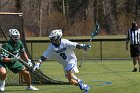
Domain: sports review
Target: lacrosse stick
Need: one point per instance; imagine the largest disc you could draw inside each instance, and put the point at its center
(24, 62)
(93, 34)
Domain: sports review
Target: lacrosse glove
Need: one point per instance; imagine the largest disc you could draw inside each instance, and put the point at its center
(37, 65)
(15, 59)
(85, 46)
(29, 63)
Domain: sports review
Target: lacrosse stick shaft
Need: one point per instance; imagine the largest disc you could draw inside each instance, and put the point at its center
(84, 54)
(83, 57)
(26, 65)
(93, 34)
(3, 32)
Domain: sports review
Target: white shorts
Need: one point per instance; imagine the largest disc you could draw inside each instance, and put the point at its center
(72, 66)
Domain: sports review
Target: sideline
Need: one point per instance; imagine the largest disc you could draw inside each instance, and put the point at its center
(101, 83)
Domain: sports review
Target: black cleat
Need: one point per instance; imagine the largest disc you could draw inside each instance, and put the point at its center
(134, 70)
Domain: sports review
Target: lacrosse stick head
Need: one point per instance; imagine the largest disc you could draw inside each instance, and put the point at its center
(14, 34)
(55, 36)
(95, 32)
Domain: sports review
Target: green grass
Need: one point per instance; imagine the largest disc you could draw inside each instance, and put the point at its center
(92, 72)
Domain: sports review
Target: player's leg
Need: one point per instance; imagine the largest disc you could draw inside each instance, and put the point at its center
(17, 67)
(73, 79)
(133, 51)
(134, 64)
(138, 56)
(70, 78)
(27, 77)
(77, 82)
(139, 62)
(2, 78)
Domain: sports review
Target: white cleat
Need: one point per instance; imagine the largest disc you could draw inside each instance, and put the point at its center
(31, 88)
(2, 86)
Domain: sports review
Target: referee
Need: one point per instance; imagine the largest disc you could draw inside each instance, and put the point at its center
(133, 35)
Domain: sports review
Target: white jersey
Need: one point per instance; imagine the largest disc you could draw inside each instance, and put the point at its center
(64, 54)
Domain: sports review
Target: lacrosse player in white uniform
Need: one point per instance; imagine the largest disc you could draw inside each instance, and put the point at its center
(62, 51)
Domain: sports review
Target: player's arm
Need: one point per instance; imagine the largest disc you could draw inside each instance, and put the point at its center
(23, 51)
(40, 61)
(45, 55)
(127, 41)
(5, 55)
(6, 59)
(29, 63)
(24, 54)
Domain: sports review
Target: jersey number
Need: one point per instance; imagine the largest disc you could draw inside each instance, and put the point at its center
(63, 55)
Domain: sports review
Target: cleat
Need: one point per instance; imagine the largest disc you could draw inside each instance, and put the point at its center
(2, 86)
(81, 85)
(31, 88)
(134, 70)
(86, 88)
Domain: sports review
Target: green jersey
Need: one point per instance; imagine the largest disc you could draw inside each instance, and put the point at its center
(13, 48)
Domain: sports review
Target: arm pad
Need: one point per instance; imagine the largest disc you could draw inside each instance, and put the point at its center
(42, 58)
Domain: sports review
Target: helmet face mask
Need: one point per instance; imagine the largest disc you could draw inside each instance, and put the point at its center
(55, 36)
(14, 34)
(15, 38)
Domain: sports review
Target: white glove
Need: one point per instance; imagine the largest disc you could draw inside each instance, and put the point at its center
(37, 65)
(29, 63)
(85, 46)
(17, 57)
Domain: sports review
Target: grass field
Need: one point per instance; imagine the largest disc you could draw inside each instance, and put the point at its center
(102, 76)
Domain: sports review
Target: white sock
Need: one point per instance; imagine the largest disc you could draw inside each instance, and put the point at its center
(2, 82)
(74, 77)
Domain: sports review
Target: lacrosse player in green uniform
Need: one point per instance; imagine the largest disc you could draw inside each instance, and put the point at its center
(13, 63)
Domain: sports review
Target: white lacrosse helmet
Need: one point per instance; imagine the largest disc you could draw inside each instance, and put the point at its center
(55, 35)
(14, 34)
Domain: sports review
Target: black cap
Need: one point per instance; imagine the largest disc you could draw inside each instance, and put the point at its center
(134, 25)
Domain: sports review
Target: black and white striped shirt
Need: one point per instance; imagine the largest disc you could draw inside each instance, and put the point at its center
(134, 36)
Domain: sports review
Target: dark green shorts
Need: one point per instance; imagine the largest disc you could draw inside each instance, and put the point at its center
(15, 67)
